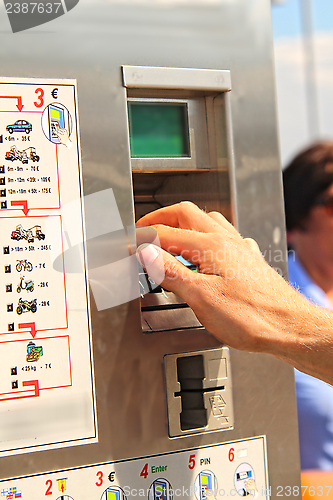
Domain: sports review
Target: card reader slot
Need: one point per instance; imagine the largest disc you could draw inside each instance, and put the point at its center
(164, 307)
(163, 320)
(158, 300)
(162, 310)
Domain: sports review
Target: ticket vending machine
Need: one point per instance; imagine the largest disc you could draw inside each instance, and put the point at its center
(110, 388)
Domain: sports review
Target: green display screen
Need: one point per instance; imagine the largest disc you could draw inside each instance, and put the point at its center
(158, 130)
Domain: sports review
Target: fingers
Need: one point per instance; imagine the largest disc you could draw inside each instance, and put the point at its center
(176, 241)
(208, 251)
(188, 244)
(184, 215)
(222, 221)
(253, 245)
(147, 235)
(165, 270)
(151, 258)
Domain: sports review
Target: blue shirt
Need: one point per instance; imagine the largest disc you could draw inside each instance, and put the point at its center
(314, 397)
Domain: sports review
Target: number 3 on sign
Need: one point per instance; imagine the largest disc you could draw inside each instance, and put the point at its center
(99, 474)
(40, 101)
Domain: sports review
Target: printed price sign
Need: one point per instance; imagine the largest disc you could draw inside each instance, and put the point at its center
(46, 369)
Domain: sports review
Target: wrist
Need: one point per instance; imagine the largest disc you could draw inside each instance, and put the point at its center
(302, 336)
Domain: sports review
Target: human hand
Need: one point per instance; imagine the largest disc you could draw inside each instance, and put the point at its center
(209, 494)
(251, 488)
(64, 137)
(236, 295)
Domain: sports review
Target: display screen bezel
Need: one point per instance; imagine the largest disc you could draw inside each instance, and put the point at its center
(196, 130)
(178, 142)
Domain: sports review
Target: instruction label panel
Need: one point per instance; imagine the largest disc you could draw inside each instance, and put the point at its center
(236, 469)
(46, 370)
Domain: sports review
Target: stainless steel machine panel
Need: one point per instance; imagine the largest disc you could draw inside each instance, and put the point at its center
(91, 44)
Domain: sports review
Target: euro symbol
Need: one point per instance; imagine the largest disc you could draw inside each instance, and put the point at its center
(54, 93)
(111, 476)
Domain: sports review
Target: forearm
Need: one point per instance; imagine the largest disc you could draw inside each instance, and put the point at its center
(272, 318)
(303, 337)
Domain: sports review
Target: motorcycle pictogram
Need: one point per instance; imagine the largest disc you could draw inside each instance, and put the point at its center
(26, 306)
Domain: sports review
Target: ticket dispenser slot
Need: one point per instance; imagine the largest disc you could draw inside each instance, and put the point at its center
(190, 371)
(199, 393)
(181, 149)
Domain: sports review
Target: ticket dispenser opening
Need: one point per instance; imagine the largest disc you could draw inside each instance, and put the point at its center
(199, 391)
(181, 150)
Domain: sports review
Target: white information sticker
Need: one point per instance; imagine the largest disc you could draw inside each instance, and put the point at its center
(235, 469)
(46, 370)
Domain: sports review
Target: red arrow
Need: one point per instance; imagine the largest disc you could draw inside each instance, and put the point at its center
(28, 394)
(23, 203)
(33, 330)
(62, 487)
(35, 383)
(19, 104)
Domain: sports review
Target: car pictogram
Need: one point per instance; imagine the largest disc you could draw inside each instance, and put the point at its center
(20, 126)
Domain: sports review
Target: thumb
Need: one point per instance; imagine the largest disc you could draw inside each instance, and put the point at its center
(165, 269)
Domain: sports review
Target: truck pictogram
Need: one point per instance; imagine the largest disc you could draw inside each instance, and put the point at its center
(27, 234)
(24, 156)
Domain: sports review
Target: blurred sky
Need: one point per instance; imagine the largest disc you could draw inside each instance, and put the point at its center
(290, 74)
(286, 17)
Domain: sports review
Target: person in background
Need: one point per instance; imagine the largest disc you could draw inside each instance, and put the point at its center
(308, 190)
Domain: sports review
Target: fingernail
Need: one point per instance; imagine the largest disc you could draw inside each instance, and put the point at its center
(147, 254)
(146, 235)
